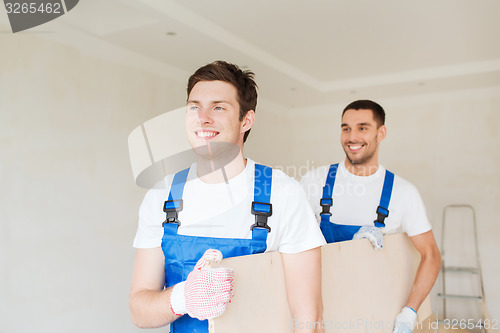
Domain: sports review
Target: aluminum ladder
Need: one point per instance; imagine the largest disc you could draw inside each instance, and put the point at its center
(464, 270)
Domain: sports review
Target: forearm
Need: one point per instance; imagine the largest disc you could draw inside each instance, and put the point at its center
(305, 321)
(307, 316)
(303, 283)
(148, 300)
(425, 277)
(151, 308)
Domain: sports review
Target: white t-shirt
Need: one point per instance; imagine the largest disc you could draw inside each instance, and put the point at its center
(223, 210)
(356, 198)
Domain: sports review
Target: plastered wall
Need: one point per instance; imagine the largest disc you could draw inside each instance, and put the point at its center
(68, 199)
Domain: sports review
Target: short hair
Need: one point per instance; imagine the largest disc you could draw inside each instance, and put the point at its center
(377, 110)
(242, 80)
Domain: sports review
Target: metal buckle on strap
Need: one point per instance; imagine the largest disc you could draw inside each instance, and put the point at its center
(262, 211)
(326, 203)
(172, 208)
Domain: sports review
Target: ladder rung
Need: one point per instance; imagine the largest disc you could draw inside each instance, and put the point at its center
(461, 269)
(477, 298)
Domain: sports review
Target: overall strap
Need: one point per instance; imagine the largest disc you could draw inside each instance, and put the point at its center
(261, 206)
(174, 203)
(327, 200)
(385, 199)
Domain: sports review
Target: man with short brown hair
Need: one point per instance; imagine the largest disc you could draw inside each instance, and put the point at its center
(225, 205)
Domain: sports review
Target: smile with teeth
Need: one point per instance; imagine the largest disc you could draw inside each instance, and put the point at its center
(355, 147)
(206, 134)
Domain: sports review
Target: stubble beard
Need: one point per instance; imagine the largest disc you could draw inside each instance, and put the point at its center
(359, 160)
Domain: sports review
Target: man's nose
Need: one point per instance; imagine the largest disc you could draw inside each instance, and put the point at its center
(353, 136)
(204, 116)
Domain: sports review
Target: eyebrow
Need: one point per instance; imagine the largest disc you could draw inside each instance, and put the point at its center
(212, 102)
(359, 124)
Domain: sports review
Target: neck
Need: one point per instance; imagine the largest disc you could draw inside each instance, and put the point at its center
(363, 169)
(213, 171)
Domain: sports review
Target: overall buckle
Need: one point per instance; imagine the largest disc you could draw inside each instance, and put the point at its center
(262, 211)
(172, 208)
(326, 203)
(382, 213)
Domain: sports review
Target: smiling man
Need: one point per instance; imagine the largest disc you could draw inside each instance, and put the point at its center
(359, 198)
(224, 205)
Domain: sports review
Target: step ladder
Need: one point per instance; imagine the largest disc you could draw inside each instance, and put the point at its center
(474, 270)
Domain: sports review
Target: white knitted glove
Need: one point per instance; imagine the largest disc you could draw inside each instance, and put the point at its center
(373, 234)
(207, 292)
(405, 321)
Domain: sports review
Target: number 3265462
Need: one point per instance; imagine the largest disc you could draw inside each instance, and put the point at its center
(33, 8)
(470, 324)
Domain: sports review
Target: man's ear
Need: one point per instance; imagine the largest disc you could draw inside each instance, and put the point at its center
(382, 133)
(248, 121)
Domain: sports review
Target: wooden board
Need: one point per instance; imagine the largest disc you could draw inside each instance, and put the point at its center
(363, 289)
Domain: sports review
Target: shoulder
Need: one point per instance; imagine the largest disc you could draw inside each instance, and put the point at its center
(282, 184)
(315, 175)
(314, 180)
(406, 193)
(320, 171)
(158, 193)
(403, 186)
(280, 179)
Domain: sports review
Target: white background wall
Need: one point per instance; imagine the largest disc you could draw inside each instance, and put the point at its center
(69, 203)
(68, 200)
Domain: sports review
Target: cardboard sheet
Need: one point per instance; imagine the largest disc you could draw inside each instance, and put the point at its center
(363, 289)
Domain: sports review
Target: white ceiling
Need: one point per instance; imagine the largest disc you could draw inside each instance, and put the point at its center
(313, 52)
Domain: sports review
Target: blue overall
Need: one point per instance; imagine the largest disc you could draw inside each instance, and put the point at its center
(182, 252)
(340, 232)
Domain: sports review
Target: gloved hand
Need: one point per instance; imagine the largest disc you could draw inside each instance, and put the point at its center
(405, 321)
(207, 292)
(373, 234)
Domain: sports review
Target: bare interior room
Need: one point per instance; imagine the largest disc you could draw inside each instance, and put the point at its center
(75, 88)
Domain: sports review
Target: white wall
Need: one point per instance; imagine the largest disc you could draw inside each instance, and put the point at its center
(270, 138)
(68, 200)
